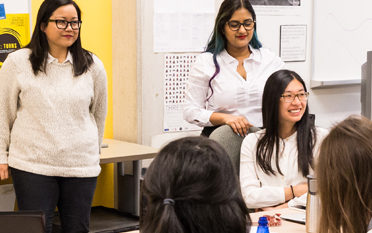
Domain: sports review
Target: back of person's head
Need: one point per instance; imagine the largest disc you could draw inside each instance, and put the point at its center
(39, 42)
(275, 86)
(218, 40)
(344, 172)
(191, 187)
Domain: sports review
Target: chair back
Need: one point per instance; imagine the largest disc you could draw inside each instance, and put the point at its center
(231, 142)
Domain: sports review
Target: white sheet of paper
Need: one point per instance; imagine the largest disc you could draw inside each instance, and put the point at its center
(176, 72)
(293, 42)
(16, 7)
(173, 6)
(179, 26)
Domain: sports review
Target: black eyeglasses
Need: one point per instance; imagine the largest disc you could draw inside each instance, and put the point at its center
(289, 98)
(63, 24)
(235, 25)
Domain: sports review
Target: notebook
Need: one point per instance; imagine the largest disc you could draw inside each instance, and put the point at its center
(299, 217)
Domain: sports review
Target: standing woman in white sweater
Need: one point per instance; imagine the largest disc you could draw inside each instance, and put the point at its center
(53, 108)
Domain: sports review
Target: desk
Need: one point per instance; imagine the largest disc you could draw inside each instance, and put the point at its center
(286, 227)
(127, 187)
(121, 151)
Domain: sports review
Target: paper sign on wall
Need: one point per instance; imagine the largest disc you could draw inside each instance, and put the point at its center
(176, 72)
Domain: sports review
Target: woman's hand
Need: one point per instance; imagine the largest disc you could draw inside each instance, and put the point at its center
(4, 174)
(239, 124)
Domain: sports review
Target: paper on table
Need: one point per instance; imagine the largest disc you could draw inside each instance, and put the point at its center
(299, 217)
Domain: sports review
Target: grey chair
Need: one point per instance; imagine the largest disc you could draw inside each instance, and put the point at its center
(231, 142)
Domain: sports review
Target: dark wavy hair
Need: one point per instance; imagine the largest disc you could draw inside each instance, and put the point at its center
(39, 44)
(218, 40)
(198, 175)
(344, 171)
(306, 132)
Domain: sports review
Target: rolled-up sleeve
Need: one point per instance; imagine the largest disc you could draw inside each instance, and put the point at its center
(195, 110)
(256, 195)
(9, 92)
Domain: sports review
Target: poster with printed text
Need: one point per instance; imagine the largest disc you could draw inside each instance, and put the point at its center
(176, 72)
(14, 33)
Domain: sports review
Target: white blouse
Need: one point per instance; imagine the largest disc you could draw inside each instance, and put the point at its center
(232, 94)
(260, 189)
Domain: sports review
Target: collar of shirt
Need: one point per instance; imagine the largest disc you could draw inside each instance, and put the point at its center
(53, 59)
(255, 56)
(290, 137)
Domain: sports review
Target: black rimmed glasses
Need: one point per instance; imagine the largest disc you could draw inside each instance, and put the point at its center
(63, 24)
(248, 24)
(289, 98)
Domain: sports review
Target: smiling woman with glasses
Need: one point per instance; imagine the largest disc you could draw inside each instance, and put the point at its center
(53, 108)
(276, 160)
(226, 82)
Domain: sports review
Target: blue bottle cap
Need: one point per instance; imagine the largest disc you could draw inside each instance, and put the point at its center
(262, 221)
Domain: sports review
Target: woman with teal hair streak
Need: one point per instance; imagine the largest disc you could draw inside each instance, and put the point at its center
(226, 82)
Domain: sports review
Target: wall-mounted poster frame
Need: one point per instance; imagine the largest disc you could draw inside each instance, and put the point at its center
(293, 42)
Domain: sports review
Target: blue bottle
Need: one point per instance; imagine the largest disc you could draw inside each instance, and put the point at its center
(262, 225)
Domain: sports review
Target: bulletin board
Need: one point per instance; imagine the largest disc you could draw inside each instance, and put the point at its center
(341, 38)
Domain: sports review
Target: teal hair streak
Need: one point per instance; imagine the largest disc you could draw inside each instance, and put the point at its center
(255, 43)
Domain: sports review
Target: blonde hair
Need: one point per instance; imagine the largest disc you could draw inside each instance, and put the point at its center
(345, 177)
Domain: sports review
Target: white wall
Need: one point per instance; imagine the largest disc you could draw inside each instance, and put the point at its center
(329, 105)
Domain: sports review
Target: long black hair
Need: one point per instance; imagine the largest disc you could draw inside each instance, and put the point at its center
(197, 174)
(218, 40)
(306, 132)
(82, 59)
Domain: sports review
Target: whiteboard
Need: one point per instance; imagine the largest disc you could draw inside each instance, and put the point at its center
(341, 36)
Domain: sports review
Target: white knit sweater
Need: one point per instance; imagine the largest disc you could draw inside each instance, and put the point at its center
(52, 123)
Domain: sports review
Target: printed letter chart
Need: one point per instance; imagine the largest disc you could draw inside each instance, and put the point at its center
(177, 68)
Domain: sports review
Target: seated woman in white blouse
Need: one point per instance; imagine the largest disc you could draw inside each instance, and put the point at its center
(226, 82)
(276, 160)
